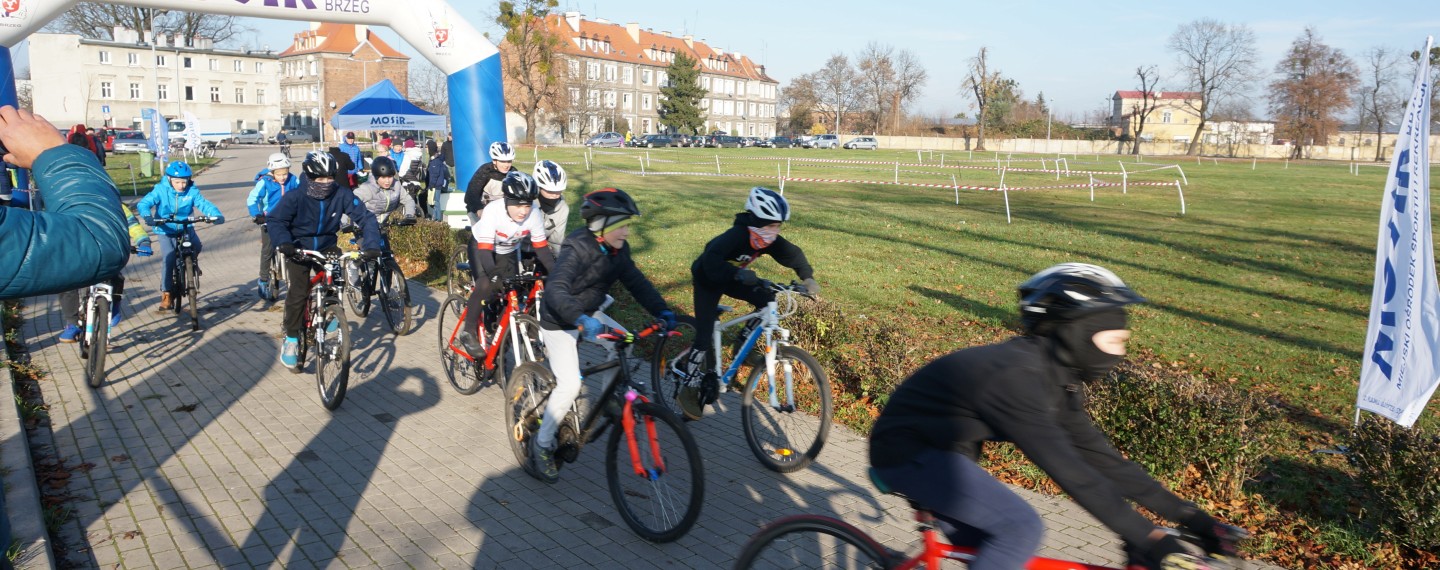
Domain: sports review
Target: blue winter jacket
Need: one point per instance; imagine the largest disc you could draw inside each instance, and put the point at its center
(164, 202)
(353, 151)
(437, 174)
(267, 193)
(311, 224)
(80, 239)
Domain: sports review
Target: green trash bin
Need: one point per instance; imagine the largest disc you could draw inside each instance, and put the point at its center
(147, 163)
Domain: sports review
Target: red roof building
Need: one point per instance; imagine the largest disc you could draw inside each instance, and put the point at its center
(326, 66)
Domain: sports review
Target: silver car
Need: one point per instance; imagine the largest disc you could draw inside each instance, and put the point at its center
(129, 141)
(610, 139)
(863, 142)
(825, 141)
(248, 136)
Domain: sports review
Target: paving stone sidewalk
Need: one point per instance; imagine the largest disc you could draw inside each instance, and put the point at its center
(202, 451)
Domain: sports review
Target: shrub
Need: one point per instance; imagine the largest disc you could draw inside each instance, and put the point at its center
(423, 249)
(864, 357)
(1400, 470)
(1184, 429)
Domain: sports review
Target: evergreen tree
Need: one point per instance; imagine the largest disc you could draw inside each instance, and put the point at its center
(680, 101)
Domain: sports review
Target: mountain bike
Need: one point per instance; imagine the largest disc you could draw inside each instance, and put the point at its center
(383, 278)
(187, 267)
(785, 403)
(326, 330)
(95, 329)
(275, 275)
(816, 541)
(662, 486)
(509, 331)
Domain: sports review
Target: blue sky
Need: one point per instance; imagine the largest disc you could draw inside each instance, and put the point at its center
(1076, 53)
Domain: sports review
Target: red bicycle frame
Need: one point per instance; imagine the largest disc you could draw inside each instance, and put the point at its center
(491, 353)
(935, 551)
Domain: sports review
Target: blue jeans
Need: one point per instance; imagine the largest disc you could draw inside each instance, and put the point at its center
(168, 245)
(972, 507)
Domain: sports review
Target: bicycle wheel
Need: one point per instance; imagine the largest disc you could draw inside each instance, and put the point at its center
(525, 399)
(511, 356)
(332, 356)
(665, 384)
(461, 372)
(192, 291)
(787, 438)
(661, 504)
(99, 340)
(276, 277)
(455, 278)
(392, 297)
(811, 541)
(357, 290)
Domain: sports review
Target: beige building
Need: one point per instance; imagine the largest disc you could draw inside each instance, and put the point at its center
(616, 72)
(1172, 120)
(328, 65)
(108, 82)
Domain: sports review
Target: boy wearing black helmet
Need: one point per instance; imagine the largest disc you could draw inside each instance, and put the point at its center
(502, 226)
(309, 219)
(1029, 390)
(593, 258)
(722, 269)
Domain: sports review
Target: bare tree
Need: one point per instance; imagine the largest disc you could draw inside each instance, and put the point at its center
(429, 87)
(1149, 78)
(877, 79)
(530, 58)
(798, 102)
(910, 77)
(1377, 93)
(1314, 84)
(98, 20)
(1434, 80)
(981, 84)
(837, 89)
(1216, 60)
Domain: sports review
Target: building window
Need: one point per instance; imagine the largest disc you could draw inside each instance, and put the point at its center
(645, 77)
(259, 67)
(185, 62)
(189, 92)
(664, 79)
(133, 58)
(592, 71)
(239, 95)
(239, 66)
(214, 64)
(1165, 117)
(259, 96)
(162, 92)
(592, 99)
(609, 99)
(627, 102)
(627, 75)
(314, 65)
(107, 90)
(574, 96)
(104, 57)
(214, 94)
(610, 73)
(135, 91)
(574, 68)
(161, 61)
(645, 102)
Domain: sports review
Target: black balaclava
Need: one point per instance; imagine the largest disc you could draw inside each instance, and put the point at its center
(547, 205)
(319, 190)
(1075, 343)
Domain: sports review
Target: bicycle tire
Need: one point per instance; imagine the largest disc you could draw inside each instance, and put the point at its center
(275, 274)
(530, 350)
(649, 504)
(786, 441)
(664, 384)
(357, 293)
(455, 279)
(836, 544)
(192, 290)
(393, 292)
(332, 357)
(525, 399)
(463, 374)
(94, 350)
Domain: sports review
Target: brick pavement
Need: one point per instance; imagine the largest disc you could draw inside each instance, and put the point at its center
(202, 451)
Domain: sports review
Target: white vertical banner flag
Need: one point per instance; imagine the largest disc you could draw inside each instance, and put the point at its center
(192, 132)
(1402, 344)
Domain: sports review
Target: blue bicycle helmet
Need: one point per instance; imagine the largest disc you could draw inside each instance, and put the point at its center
(179, 169)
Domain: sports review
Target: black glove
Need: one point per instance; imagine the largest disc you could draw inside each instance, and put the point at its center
(1168, 547)
(408, 221)
(371, 254)
(259, 219)
(287, 249)
(1215, 537)
(747, 277)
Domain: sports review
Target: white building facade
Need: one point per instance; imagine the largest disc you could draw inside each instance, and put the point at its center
(108, 82)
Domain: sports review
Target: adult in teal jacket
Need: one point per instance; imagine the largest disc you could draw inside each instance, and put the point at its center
(81, 238)
(175, 196)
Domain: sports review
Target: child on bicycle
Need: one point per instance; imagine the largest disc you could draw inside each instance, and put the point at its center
(382, 195)
(309, 219)
(592, 260)
(175, 196)
(724, 269)
(550, 177)
(503, 225)
(484, 187)
(1029, 390)
(269, 187)
(70, 300)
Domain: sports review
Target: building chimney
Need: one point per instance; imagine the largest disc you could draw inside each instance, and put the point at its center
(573, 18)
(314, 26)
(719, 53)
(666, 34)
(737, 55)
(362, 33)
(690, 41)
(633, 29)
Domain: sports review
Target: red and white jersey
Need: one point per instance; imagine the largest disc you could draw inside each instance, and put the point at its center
(496, 231)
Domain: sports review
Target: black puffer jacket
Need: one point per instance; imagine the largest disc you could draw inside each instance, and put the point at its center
(586, 271)
(732, 251)
(475, 198)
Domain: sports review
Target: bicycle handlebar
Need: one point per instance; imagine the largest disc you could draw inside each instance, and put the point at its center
(322, 256)
(192, 220)
(793, 287)
(617, 335)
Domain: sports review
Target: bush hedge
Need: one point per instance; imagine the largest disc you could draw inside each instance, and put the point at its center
(1400, 470)
(422, 249)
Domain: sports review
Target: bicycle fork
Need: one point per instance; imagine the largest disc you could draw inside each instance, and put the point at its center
(627, 422)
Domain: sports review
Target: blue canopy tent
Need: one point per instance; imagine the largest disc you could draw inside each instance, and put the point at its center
(382, 107)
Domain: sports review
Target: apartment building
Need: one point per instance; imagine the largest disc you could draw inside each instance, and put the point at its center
(326, 66)
(1172, 120)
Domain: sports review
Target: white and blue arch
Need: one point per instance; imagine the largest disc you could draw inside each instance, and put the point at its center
(433, 27)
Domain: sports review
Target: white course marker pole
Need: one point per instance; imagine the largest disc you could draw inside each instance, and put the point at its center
(647, 159)
(642, 165)
(1182, 197)
(1007, 202)
(1252, 163)
(1042, 164)
(1182, 175)
(787, 167)
(917, 156)
(897, 172)
(1092, 187)
(1124, 183)
(779, 179)
(586, 156)
(717, 164)
(1287, 163)
(942, 160)
(956, 184)
(1002, 177)
(536, 154)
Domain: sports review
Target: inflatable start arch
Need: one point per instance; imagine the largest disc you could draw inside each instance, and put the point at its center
(471, 62)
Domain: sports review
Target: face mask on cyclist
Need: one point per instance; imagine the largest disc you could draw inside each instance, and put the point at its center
(762, 237)
(548, 204)
(1076, 346)
(320, 190)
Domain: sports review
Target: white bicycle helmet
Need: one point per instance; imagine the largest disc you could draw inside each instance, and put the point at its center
(768, 204)
(277, 161)
(550, 177)
(502, 151)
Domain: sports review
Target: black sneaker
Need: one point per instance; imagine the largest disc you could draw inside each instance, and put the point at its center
(471, 345)
(544, 459)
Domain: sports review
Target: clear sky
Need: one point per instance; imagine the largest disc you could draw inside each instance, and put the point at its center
(1076, 53)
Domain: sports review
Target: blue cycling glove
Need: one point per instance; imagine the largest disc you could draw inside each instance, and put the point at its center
(590, 327)
(668, 316)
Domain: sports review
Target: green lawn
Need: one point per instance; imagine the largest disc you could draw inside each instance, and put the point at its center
(124, 169)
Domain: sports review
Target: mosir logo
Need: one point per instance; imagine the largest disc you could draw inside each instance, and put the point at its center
(387, 121)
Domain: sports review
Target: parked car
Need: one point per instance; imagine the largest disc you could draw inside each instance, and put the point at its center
(825, 141)
(249, 136)
(109, 135)
(652, 141)
(128, 141)
(610, 139)
(722, 141)
(863, 142)
(296, 137)
(805, 141)
(682, 140)
(777, 142)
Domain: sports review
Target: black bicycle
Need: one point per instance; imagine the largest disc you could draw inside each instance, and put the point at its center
(661, 487)
(382, 278)
(187, 267)
(326, 329)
